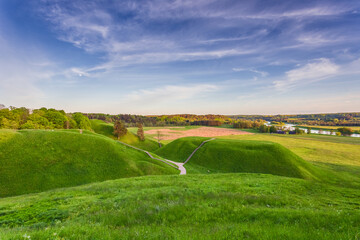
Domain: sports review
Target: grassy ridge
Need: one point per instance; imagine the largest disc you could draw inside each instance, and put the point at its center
(220, 206)
(107, 129)
(231, 156)
(38, 160)
(180, 149)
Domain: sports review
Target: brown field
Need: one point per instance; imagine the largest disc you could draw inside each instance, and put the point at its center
(168, 134)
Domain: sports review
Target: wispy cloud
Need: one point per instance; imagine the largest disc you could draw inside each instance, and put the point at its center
(171, 92)
(261, 73)
(316, 70)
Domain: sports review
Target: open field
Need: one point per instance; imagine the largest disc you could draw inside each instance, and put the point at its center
(223, 206)
(175, 133)
(38, 160)
(336, 153)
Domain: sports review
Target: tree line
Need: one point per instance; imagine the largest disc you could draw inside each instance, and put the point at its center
(43, 118)
(326, 119)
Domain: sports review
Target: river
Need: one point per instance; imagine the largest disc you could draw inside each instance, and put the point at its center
(291, 127)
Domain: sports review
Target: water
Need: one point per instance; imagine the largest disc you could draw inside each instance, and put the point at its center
(291, 127)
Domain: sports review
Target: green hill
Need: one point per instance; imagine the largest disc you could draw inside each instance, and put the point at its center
(38, 160)
(107, 129)
(217, 206)
(180, 149)
(231, 156)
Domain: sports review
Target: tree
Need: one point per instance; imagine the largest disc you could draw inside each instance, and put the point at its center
(159, 138)
(345, 131)
(140, 132)
(82, 121)
(308, 130)
(298, 131)
(264, 129)
(273, 129)
(119, 129)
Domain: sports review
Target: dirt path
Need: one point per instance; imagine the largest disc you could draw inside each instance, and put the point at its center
(180, 166)
(198, 149)
(149, 155)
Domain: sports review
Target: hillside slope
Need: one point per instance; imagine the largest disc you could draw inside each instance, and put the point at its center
(180, 149)
(38, 160)
(231, 156)
(218, 206)
(107, 129)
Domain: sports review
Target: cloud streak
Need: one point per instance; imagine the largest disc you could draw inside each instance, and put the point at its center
(314, 71)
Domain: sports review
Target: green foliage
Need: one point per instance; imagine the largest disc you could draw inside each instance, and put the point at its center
(119, 129)
(299, 131)
(246, 124)
(309, 130)
(107, 129)
(20, 118)
(264, 129)
(56, 118)
(82, 122)
(140, 132)
(345, 131)
(221, 206)
(38, 160)
(272, 129)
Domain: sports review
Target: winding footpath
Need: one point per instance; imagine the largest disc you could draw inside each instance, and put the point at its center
(180, 166)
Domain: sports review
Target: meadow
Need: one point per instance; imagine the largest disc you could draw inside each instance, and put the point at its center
(38, 160)
(256, 186)
(217, 206)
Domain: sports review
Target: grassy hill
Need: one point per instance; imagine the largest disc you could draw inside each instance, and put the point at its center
(38, 160)
(218, 206)
(180, 149)
(107, 129)
(231, 156)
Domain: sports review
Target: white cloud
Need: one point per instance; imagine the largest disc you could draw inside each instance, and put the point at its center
(261, 73)
(317, 70)
(171, 92)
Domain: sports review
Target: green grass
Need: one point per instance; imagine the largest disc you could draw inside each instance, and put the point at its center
(220, 206)
(107, 129)
(231, 156)
(314, 148)
(317, 195)
(38, 160)
(354, 128)
(180, 149)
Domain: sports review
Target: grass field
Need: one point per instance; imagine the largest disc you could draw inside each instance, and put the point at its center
(38, 160)
(219, 206)
(354, 128)
(231, 156)
(318, 198)
(180, 149)
(107, 129)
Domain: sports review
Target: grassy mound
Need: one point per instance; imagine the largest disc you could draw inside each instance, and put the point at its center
(107, 129)
(37, 160)
(219, 206)
(231, 156)
(180, 149)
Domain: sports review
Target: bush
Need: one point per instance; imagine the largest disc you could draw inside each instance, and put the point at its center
(345, 131)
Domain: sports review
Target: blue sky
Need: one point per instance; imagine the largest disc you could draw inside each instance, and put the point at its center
(167, 57)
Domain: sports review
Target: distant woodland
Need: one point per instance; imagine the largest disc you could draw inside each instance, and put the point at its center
(43, 118)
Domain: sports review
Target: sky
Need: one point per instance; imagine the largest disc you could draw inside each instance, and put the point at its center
(172, 57)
